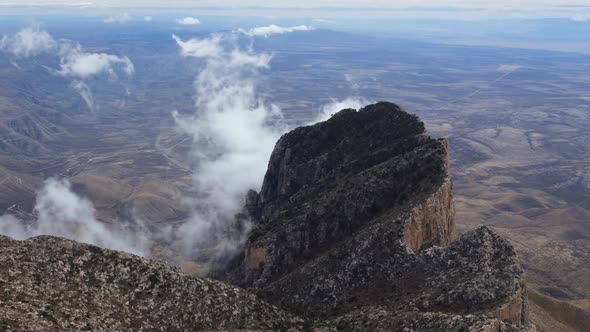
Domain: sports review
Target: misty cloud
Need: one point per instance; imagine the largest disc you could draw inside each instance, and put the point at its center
(324, 21)
(63, 213)
(77, 63)
(74, 62)
(12, 227)
(233, 132)
(506, 68)
(213, 48)
(200, 48)
(86, 94)
(580, 17)
(188, 21)
(337, 105)
(28, 42)
(273, 30)
(121, 18)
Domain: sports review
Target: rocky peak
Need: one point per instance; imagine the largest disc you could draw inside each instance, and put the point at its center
(355, 221)
(327, 181)
(350, 142)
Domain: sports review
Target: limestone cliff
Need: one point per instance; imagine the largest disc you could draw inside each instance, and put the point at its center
(351, 226)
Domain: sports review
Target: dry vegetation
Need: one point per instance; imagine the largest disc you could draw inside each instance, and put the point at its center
(550, 314)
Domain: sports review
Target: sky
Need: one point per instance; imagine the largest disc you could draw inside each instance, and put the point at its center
(578, 10)
(527, 4)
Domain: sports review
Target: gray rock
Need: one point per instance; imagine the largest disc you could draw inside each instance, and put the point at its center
(355, 213)
(54, 284)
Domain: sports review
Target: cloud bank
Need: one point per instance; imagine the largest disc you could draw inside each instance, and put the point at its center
(63, 213)
(28, 42)
(273, 29)
(233, 133)
(188, 21)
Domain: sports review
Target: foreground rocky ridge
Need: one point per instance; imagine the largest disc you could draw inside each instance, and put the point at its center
(354, 230)
(54, 284)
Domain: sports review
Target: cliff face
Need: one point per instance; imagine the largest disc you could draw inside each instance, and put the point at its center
(351, 224)
(328, 181)
(431, 222)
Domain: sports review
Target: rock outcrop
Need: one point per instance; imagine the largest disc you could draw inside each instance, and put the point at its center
(354, 225)
(54, 284)
(353, 231)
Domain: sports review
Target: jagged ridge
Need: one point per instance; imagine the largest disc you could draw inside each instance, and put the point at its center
(54, 284)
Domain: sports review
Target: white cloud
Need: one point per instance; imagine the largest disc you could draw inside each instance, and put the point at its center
(77, 63)
(233, 135)
(86, 94)
(74, 62)
(580, 17)
(32, 41)
(274, 30)
(324, 21)
(507, 68)
(200, 48)
(213, 48)
(147, 18)
(188, 21)
(80, 65)
(13, 227)
(27, 42)
(242, 59)
(63, 213)
(337, 105)
(121, 18)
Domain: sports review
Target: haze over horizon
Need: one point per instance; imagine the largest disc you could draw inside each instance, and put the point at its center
(575, 10)
(525, 24)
